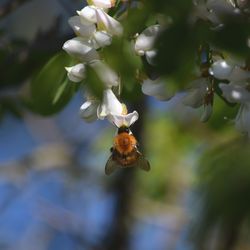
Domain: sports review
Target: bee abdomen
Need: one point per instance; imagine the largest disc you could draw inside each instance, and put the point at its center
(126, 160)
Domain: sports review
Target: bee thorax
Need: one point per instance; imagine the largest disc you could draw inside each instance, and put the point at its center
(124, 143)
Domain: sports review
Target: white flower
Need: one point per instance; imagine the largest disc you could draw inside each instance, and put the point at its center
(144, 44)
(108, 23)
(110, 108)
(235, 92)
(80, 29)
(110, 104)
(76, 73)
(101, 39)
(156, 88)
(105, 73)
(123, 119)
(222, 70)
(115, 111)
(201, 11)
(238, 93)
(89, 34)
(242, 120)
(200, 95)
(238, 74)
(81, 49)
(88, 15)
(88, 110)
(196, 94)
(92, 14)
(105, 4)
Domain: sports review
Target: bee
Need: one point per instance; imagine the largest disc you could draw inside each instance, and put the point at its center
(125, 153)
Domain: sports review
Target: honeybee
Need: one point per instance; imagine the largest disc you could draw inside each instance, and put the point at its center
(124, 152)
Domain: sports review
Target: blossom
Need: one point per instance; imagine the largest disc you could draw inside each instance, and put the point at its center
(110, 104)
(123, 119)
(239, 93)
(94, 29)
(221, 69)
(88, 110)
(110, 108)
(235, 92)
(93, 14)
(242, 120)
(76, 73)
(105, 73)
(80, 49)
(88, 33)
(105, 4)
(199, 95)
(156, 88)
(81, 29)
(144, 44)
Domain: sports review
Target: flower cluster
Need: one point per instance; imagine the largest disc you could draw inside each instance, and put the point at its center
(234, 82)
(94, 29)
(236, 91)
(145, 47)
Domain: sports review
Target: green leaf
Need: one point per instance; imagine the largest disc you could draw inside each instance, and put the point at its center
(94, 83)
(50, 89)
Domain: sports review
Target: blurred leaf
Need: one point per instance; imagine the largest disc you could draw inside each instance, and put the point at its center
(177, 50)
(176, 9)
(122, 58)
(94, 83)
(50, 89)
(135, 21)
(233, 36)
(223, 114)
(223, 185)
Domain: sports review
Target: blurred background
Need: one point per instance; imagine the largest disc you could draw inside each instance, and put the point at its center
(53, 190)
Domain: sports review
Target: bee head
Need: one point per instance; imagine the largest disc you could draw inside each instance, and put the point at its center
(123, 129)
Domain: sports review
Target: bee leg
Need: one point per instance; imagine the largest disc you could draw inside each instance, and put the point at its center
(111, 149)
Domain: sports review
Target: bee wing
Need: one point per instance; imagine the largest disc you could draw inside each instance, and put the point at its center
(111, 166)
(142, 162)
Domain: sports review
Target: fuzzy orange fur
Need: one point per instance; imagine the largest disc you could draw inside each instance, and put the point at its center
(124, 143)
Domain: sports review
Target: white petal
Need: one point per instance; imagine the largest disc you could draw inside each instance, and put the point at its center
(108, 23)
(123, 120)
(81, 49)
(81, 29)
(76, 73)
(207, 112)
(242, 121)
(239, 74)
(88, 111)
(106, 4)
(105, 73)
(195, 96)
(145, 41)
(151, 56)
(102, 39)
(156, 88)
(87, 15)
(110, 104)
(235, 92)
(220, 69)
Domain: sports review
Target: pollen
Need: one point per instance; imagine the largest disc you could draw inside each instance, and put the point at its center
(124, 109)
